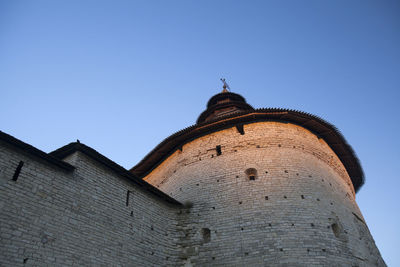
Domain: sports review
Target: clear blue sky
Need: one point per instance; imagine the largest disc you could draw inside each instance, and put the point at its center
(123, 75)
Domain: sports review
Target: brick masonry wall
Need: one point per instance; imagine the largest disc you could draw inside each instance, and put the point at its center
(49, 217)
(299, 211)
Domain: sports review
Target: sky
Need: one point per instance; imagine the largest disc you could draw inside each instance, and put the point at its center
(121, 76)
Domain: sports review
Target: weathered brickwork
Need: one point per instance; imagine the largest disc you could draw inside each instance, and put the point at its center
(50, 217)
(299, 210)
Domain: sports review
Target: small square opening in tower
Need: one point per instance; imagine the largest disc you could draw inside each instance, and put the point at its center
(251, 174)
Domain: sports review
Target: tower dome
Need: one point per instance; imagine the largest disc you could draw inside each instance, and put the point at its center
(223, 104)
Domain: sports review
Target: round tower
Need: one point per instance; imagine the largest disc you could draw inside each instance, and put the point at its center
(266, 187)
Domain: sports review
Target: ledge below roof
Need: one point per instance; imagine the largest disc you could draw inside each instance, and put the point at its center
(313, 123)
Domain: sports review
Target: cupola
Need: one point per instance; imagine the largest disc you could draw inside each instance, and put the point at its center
(223, 104)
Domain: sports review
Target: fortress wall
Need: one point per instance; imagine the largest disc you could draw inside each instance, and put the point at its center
(51, 217)
(300, 210)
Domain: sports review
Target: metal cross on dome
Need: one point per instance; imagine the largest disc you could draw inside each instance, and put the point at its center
(225, 86)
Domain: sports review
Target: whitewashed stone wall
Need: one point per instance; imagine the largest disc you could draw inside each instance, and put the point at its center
(299, 211)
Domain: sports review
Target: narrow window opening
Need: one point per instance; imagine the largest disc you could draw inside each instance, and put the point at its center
(251, 174)
(206, 234)
(17, 171)
(240, 129)
(302, 196)
(335, 229)
(127, 197)
(218, 148)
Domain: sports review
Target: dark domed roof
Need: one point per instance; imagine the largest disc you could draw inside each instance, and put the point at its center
(223, 104)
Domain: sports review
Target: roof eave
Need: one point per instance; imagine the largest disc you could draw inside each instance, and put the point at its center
(31, 150)
(315, 124)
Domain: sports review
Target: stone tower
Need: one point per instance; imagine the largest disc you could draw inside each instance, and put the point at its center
(243, 186)
(265, 187)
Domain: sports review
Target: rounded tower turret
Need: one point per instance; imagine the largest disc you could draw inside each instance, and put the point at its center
(223, 104)
(268, 187)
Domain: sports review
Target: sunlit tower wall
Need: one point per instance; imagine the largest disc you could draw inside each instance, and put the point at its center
(266, 187)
